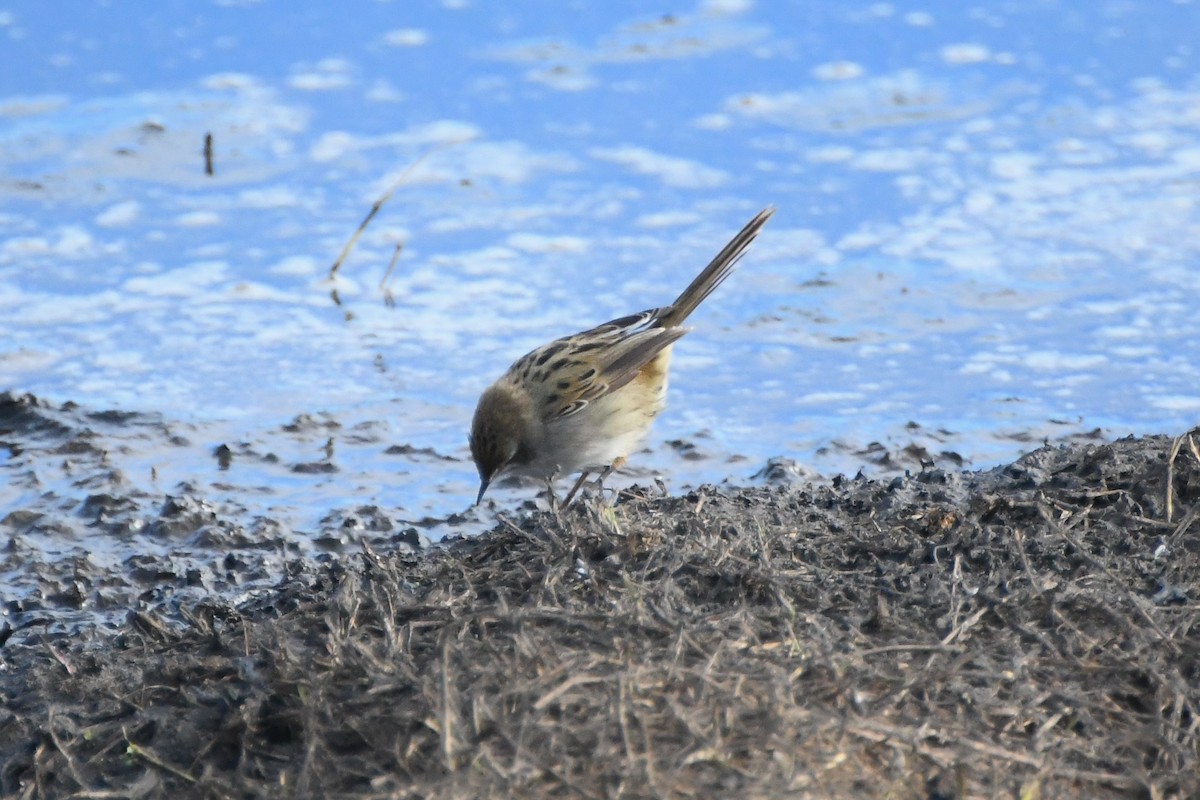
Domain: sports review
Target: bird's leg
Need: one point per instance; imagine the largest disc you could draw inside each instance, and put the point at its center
(609, 470)
(571, 494)
(551, 497)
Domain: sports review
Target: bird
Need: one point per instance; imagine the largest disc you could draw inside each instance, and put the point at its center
(582, 403)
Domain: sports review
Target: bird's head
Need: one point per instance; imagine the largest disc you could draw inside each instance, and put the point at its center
(501, 432)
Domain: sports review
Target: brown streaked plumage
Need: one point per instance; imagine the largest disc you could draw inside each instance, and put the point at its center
(584, 402)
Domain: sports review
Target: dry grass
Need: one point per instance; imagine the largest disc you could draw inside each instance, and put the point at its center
(1027, 632)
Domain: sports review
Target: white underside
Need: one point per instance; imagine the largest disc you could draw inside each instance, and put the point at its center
(595, 437)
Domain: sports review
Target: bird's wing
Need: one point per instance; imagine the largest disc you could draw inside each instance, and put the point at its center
(567, 374)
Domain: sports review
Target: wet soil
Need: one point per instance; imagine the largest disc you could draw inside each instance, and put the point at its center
(1025, 631)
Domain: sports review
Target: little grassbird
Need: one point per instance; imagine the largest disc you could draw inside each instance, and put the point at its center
(584, 402)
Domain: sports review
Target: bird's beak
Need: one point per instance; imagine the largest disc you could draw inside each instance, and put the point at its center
(483, 484)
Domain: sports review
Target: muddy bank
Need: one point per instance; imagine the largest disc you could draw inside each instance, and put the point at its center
(1025, 631)
(106, 513)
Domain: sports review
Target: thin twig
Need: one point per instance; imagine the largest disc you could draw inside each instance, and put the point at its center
(1175, 445)
(566, 686)
(880, 732)
(1019, 538)
(1184, 524)
(391, 266)
(387, 195)
(72, 766)
(447, 709)
(146, 754)
(59, 657)
(911, 648)
(208, 154)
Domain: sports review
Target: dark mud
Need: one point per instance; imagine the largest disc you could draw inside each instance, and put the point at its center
(1027, 631)
(108, 513)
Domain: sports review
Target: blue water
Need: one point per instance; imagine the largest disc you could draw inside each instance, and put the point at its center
(987, 226)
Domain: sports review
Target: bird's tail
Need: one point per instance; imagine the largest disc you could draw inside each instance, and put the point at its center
(716, 272)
